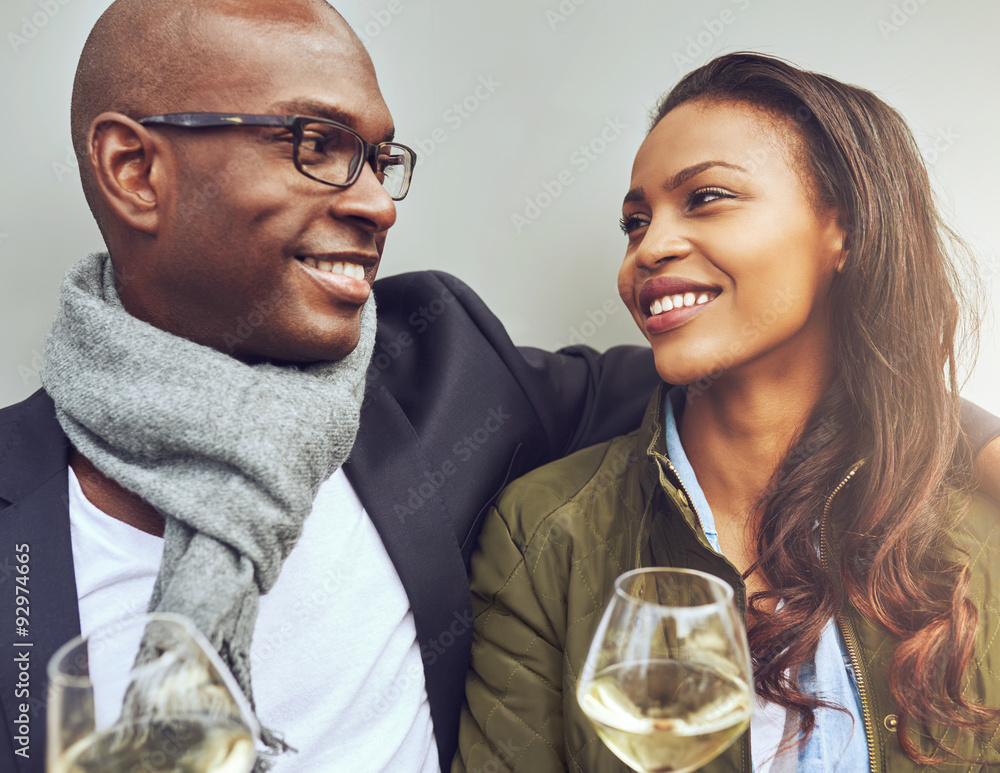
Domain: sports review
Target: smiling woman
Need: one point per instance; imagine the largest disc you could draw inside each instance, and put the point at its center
(786, 261)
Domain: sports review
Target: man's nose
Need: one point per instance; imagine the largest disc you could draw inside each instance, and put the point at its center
(365, 202)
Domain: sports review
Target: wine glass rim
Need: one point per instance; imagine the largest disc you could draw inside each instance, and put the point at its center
(80, 681)
(727, 590)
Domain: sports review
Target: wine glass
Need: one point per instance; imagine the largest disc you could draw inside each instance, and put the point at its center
(667, 680)
(148, 694)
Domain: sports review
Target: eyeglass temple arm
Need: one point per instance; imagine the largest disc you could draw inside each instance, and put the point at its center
(199, 120)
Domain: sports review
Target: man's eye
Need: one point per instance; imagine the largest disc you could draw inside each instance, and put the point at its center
(316, 143)
(385, 160)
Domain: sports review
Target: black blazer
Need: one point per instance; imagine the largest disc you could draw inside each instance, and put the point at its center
(453, 410)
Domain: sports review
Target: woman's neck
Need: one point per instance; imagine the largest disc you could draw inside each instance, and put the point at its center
(735, 434)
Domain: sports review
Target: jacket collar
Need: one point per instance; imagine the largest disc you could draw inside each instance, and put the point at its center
(33, 447)
(659, 473)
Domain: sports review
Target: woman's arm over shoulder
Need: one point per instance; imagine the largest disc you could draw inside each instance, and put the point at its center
(512, 718)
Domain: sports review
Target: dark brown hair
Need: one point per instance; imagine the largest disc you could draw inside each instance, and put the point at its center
(895, 314)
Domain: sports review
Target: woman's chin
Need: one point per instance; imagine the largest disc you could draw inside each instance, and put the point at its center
(674, 372)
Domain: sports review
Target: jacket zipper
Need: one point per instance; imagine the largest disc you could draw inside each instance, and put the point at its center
(687, 494)
(747, 763)
(850, 637)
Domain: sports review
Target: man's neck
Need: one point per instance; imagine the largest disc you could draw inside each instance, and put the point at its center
(107, 496)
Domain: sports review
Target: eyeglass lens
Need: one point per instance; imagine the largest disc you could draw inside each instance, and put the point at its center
(333, 155)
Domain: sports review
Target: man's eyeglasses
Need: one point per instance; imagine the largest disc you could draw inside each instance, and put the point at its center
(325, 151)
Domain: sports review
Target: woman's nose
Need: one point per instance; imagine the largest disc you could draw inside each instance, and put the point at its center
(663, 241)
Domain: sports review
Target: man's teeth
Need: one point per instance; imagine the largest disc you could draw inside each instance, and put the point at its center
(671, 302)
(352, 270)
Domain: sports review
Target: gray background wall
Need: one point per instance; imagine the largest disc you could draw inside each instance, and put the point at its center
(499, 98)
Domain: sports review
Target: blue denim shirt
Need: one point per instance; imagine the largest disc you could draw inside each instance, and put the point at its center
(838, 741)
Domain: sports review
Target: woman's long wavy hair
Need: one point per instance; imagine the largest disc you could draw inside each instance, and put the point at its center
(896, 314)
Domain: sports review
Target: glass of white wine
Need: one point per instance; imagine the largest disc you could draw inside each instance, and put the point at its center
(148, 694)
(667, 681)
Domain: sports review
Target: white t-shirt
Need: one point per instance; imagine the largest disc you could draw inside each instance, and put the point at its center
(335, 661)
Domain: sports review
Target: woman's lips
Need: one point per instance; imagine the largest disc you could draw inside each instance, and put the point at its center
(670, 301)
(675, 317)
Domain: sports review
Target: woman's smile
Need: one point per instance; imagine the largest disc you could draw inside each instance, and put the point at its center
(670, 301)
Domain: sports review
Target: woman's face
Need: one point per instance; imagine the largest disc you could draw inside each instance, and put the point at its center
(728, 262)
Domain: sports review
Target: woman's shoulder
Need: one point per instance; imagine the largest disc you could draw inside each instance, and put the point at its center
(600, 478)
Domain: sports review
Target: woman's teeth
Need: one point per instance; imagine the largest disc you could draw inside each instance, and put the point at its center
(671, 302)
(352, 270)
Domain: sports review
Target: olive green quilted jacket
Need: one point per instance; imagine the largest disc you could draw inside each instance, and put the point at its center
(548, 556)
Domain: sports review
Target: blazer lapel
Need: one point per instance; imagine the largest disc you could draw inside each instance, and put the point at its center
(38, 604)
(391, 474)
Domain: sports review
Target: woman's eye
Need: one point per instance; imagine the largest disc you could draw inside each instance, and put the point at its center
(630, 223)
(707, 196)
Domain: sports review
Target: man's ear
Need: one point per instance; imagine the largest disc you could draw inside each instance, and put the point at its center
(129, 169)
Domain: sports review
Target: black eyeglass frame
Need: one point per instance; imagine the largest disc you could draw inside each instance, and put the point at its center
(295, 123)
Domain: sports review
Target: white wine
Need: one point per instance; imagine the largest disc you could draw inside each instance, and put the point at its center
(192, 744)
(663, 716)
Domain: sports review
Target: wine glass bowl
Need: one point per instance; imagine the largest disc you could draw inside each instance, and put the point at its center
(667, 680)
(147, 694)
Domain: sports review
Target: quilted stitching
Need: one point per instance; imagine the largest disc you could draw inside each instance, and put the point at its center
(551, 574)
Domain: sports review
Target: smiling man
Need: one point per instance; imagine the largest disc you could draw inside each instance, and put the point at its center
(205, 381)
(225, 432)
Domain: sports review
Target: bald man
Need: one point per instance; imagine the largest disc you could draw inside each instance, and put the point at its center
(203, 384)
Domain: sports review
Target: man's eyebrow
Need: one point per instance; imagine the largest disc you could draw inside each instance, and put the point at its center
(323, 110)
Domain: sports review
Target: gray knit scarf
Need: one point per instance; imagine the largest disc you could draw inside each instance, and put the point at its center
(231, 455)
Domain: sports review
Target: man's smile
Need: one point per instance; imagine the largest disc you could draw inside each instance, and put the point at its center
(344, 276)
(352, 270)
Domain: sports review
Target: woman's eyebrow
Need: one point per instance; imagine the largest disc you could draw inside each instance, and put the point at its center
(677, 180)
(636, 194)
(695, 169)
